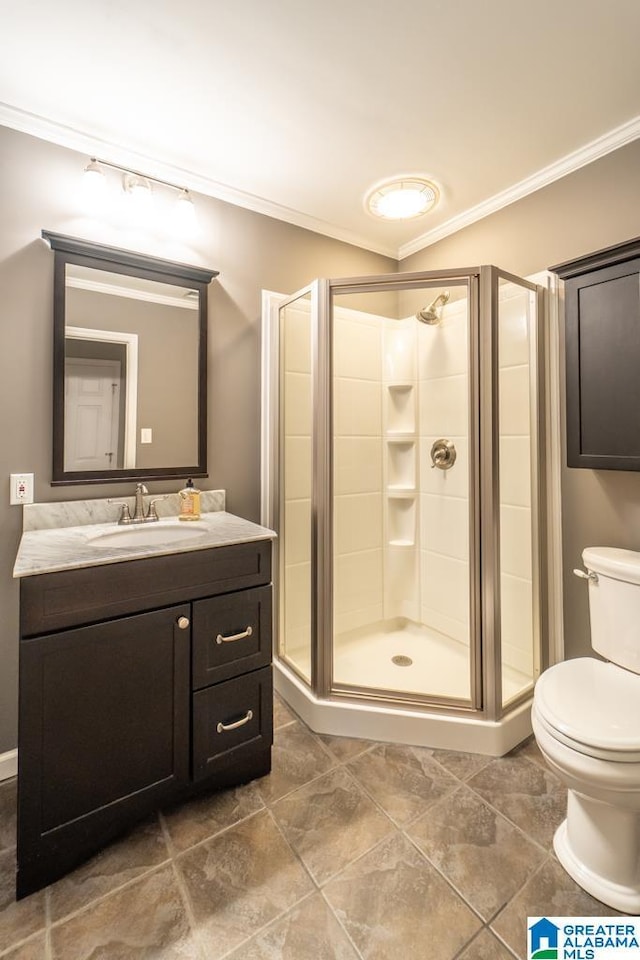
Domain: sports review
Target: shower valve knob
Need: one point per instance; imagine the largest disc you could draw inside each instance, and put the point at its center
(443, 454)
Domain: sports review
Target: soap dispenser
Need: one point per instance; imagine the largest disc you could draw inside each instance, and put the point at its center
(189, 502)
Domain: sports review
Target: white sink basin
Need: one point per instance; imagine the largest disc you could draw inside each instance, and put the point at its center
(146, 535)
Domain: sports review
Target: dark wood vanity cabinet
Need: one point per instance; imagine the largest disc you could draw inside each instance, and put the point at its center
(141, 683)
(602, 345)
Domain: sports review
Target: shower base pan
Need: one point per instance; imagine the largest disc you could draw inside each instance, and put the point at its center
(408, 725)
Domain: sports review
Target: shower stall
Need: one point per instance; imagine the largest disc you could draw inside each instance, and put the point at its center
(402, 446)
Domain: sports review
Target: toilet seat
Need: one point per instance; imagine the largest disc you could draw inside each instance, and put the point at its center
(593, 707)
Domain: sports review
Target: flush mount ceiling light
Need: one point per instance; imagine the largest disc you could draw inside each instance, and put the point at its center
(402, 198)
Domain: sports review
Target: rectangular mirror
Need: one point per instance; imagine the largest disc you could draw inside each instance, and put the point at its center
(130, 335)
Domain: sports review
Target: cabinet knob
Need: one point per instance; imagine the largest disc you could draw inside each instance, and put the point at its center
(183, 622)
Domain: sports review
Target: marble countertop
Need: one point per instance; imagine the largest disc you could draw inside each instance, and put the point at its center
(69, 548)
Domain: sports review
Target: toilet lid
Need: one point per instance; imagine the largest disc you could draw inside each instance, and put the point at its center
(593, 703)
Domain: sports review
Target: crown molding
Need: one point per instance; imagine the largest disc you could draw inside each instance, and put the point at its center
(600, 147)
(73, 139)
(92, 146)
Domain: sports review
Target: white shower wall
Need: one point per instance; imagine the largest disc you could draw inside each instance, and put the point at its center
(358, 505)
(400, 528)
(443, 352)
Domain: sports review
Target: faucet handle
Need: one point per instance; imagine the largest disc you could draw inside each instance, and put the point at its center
(125, 515)
(152, 513)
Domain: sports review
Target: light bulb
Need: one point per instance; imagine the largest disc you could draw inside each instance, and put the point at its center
(184, 212)
(401, 204)
(138, 188)
(402, 199)
(94, 183)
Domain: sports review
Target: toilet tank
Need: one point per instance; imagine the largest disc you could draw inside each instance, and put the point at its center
(614, 604)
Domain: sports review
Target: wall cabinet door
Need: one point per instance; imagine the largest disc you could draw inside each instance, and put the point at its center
(104, 732)
(602, 336)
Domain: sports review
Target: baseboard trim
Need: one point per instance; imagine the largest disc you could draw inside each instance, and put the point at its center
(8, 764)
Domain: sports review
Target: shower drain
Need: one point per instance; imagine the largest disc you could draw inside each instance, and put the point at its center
(401, 661)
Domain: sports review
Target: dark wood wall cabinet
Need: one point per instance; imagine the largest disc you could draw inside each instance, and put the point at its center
(141, 683)
(602, 331)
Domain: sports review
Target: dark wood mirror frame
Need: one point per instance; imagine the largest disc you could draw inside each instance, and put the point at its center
(69, 250)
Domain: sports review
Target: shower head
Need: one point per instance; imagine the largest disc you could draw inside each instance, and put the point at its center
(433, 313)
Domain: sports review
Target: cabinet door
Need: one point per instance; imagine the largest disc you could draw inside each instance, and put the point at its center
(104, 731)
(603, 368)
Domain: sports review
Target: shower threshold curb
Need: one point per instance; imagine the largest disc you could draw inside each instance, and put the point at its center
(470, 734)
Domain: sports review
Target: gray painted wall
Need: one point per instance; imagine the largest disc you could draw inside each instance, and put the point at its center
(593, 208)
(39, 188)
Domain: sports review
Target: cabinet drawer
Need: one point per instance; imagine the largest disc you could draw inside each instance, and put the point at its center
(231, 720)
(56, 601)
(231, 635)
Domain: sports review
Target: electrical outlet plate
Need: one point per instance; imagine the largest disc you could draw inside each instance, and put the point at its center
(21, 488)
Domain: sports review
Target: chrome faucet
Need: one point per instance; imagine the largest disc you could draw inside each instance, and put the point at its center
(139, 515)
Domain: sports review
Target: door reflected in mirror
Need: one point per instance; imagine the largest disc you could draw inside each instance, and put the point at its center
(130, 335)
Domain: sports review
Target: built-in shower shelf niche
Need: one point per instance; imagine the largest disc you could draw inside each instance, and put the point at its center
(401, 520)
(401, 465)
(400, 409)
(401, 580)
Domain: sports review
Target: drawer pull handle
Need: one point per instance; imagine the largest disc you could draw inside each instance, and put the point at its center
(224, 727)
(183, 622)
(234, 637)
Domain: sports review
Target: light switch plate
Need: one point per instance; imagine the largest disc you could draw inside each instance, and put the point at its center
(146, 435)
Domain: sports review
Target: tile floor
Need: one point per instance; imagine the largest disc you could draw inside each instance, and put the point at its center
(348, 850)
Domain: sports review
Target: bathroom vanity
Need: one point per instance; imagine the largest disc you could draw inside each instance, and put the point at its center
(145, 678)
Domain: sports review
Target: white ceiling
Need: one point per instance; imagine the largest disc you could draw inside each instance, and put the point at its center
(296, 108)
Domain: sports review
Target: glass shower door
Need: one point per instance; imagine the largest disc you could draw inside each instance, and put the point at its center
(297, 607)
(404, 387)
(518, 480)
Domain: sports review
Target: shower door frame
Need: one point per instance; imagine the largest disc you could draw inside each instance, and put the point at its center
(328, 689)
(484, 494)
(490, 494)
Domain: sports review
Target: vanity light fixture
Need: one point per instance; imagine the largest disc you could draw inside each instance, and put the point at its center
(139, 187)
(402, 198)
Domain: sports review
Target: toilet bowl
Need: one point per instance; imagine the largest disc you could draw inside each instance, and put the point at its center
(586, 720)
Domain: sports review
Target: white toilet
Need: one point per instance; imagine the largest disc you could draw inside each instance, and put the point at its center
(586, 719)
